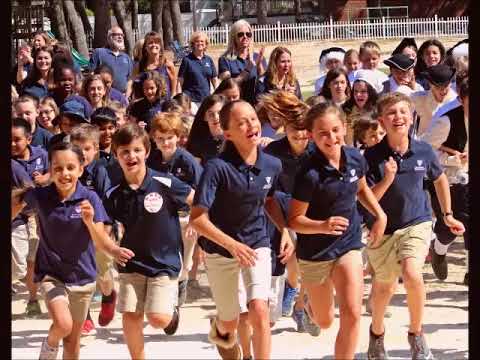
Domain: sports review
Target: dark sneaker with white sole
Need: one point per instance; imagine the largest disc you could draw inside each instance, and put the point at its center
(376, 347)
(171, 328)
(439, 265)
(419, 347)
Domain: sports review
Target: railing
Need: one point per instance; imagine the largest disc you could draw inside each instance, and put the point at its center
(346, 30)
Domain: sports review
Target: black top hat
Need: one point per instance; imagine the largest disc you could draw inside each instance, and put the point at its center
(400, 61)
(439, 75)
(103, 113)
(450, 51)
(406, 42)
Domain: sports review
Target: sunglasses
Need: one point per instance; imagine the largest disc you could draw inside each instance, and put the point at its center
(242, 34)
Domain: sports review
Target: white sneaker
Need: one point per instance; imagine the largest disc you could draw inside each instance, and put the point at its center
(47, 352)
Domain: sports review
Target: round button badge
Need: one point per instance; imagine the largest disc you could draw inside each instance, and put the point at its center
(153, 202)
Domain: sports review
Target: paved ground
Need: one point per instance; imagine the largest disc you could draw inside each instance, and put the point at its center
(446, 327)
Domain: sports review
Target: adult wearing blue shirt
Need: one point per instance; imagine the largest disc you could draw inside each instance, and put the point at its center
(197, 70)
(239, 61)
(113, 56)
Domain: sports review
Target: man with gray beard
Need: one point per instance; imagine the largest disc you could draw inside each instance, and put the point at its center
(115, 57)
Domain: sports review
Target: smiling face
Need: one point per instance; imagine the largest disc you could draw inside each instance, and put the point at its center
(440, 92)
(402, 77)
(200, 44)
(328, 133)
(106, 129)
(360, 93)
(432, 55)
(153, 47)
(96, 92)
(20, 142)
(132, 157)
(65, 169)
(43, 61)
(150, 90)
(213, 119)
(66, 82)
(244, 128)
(46, 114)
(397, 118)
(38, 41)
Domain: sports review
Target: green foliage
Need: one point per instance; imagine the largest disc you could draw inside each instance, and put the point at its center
(144, 6)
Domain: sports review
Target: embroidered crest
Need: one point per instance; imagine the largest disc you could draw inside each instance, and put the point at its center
(352, 172)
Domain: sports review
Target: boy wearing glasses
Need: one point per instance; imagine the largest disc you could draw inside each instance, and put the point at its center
(115, 57)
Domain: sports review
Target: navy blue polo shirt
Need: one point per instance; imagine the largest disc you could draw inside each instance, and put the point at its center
(41, 137)
(121, 65)
(291, 163)
(144, 110)
(182, 165)
(228, 183)
(38, 161)
(330, 192)
(66, 250)
(197, 74)
(263, 86)
(111, 164)
(95, 178)
(35, 89)
(206, 148)
(152, 229)
(20, 178)
(405, 202)
(115, 95)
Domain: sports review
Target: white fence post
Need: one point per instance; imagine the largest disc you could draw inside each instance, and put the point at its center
(279, 34)
(331, 28)
(436, 25)
(226, 33)
(384, 29)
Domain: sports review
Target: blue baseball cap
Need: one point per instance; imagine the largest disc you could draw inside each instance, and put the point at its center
(73, 109)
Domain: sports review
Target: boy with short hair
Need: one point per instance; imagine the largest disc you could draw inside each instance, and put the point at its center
(397, 168)
(370, 55)
(34, 160)
(166, 131)
(243, 178)
(146, 202)
(26, 107)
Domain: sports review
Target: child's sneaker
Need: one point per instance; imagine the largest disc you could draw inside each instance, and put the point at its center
(171, 328)
(88, 328)
(47, 352)
(227, 347)
(419, 347)
(299, 318)
(33, 308)
(312, 328)
(376, 347)
(107, 311)
(288, 299)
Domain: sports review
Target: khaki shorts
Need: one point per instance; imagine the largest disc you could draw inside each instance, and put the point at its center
(223, 277)
(104, 264)
(142, 294)
(78, 297)
(410, 242)
(188, 248)
(320, 271)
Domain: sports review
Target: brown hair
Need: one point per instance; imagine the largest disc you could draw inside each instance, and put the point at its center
(320, 110)
(86, 83)
(362, 125)
(128, 133)
(85, 132)
(369, 46)
(271, 74)
(285, 105)
(167, 122)
(389, 99)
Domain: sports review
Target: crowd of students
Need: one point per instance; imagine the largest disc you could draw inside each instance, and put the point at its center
(149, 169)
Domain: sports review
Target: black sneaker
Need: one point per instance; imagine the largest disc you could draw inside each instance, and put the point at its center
(173, 326)
(182, 292)
(376, 347)
(465, 279)
(419, 347)
(439, 265)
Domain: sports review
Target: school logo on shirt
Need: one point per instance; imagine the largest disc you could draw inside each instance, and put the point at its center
(353, 177)
(268, 185)
(419, 166)
(76, 213)
(153, 202)
(38, 164)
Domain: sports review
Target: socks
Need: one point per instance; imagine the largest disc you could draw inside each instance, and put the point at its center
(440, 248)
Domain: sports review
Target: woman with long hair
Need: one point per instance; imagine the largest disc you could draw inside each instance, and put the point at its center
(39, 79)
(336, 87)
(279, 74)
(431, 52)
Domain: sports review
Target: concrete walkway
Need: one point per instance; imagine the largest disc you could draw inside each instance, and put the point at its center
(446, 327)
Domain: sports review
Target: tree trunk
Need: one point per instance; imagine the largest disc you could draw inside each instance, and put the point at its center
(78, 33)
(157, 14)
(262, 11)
(298, 8)
(103, 22)
(58, 19)
(80, 7)
(177, 21)
(167, 26)
(124, 20)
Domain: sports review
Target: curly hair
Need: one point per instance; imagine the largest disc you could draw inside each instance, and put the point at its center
(286, 106)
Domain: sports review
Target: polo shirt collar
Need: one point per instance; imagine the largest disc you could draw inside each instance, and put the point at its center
(89, 168)
(142, 189)
(231, 154)
(80, 193)
(412, 146)
(344, 160)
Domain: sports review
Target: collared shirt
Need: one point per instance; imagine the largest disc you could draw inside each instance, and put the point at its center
(319, 84)
(115, 95)
(110, 162)
(152, 229)
(37, 162)
(66, 250)
(20, 178)
(405, 202)
(330, 192)
(95, 178)
(206, 148)
(36, 89)
(265, 86)
(144, 110)
(426, 106)
(197, 74)
(228, 183)
(41, 137)
(121, 65)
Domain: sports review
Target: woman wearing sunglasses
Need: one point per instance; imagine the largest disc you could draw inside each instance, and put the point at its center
(239, 61)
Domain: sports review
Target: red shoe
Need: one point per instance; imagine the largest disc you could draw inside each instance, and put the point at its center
(88, 328)
(107, 311)
(428, 259)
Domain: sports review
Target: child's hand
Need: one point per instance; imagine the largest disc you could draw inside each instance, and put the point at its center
(456, 227)
(190, 232)
(142, 124)
(334, 225)
(244, 254)
(261, 53)
(87, 212)
(463, 158)
(376, 232)
(264, 141)
(286, 247)
(40, 179)
(122, 255)
(390, 168)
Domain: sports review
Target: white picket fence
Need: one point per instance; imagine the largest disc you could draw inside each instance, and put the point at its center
(345, 30)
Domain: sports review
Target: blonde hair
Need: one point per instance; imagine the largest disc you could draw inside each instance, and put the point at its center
(85, 132)
(271, 74)
(231, 51)
(167, 122)
(390, 99)
(285, 105)
(199, 34)
(369, 46)
(137, 50)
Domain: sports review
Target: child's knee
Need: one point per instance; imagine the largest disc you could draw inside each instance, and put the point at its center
(63, 326)
(259, 311)
(159, 321)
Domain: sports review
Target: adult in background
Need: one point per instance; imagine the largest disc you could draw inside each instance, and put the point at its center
(153, 59)
(240, 61)
(197, 70)
(279, 74)
(39, 79)
(115, 57)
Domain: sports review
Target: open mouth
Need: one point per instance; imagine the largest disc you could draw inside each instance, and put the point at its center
(253, 135)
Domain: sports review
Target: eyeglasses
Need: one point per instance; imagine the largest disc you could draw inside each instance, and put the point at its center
(242, 34)
(116, 35)
(46, 112)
